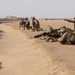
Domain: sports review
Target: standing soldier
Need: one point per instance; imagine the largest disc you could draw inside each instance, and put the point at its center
(36, 25)
(26, 24)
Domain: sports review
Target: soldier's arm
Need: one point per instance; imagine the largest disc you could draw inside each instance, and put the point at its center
(72, 21)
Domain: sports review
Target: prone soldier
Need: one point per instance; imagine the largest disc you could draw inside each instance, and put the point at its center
(60, 35)
(51, 34)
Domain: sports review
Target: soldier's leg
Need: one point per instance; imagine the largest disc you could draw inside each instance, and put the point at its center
(24, 27)
(33, 29)
(19, 26)
(36, 29)
(68, 43)
(27, 27)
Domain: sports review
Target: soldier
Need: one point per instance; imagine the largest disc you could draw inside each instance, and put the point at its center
(53, 34)
(35, 23)
(26, 24)
(50, 34)
(68, 37)
(63, 35)
(21, 23)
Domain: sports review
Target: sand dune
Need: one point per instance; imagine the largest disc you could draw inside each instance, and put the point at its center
(21, 55)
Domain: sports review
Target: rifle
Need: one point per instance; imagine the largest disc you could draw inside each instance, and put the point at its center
(48, 35)
(69, 20)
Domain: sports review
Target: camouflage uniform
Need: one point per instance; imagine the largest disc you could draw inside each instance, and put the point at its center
(71, 38)
(21, 23)
(35, 23)
(63, 38)
(50, 35)
(26, 24)
(62, 29)
(68, 37)
(49, 29)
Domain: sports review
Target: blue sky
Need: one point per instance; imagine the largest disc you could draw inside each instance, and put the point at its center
(38, 8)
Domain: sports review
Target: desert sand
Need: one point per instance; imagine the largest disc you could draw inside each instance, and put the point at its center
(22, 55)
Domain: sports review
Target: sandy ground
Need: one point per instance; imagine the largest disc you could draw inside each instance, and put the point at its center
(21, 55)
(18, 54)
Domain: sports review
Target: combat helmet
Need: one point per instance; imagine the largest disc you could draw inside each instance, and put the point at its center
(33, 18)
(26, 18)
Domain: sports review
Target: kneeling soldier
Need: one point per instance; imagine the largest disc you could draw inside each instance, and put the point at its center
(36, 25)
(26, 24)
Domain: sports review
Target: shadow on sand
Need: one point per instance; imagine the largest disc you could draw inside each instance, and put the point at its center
(1, 32)
(1, 65)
